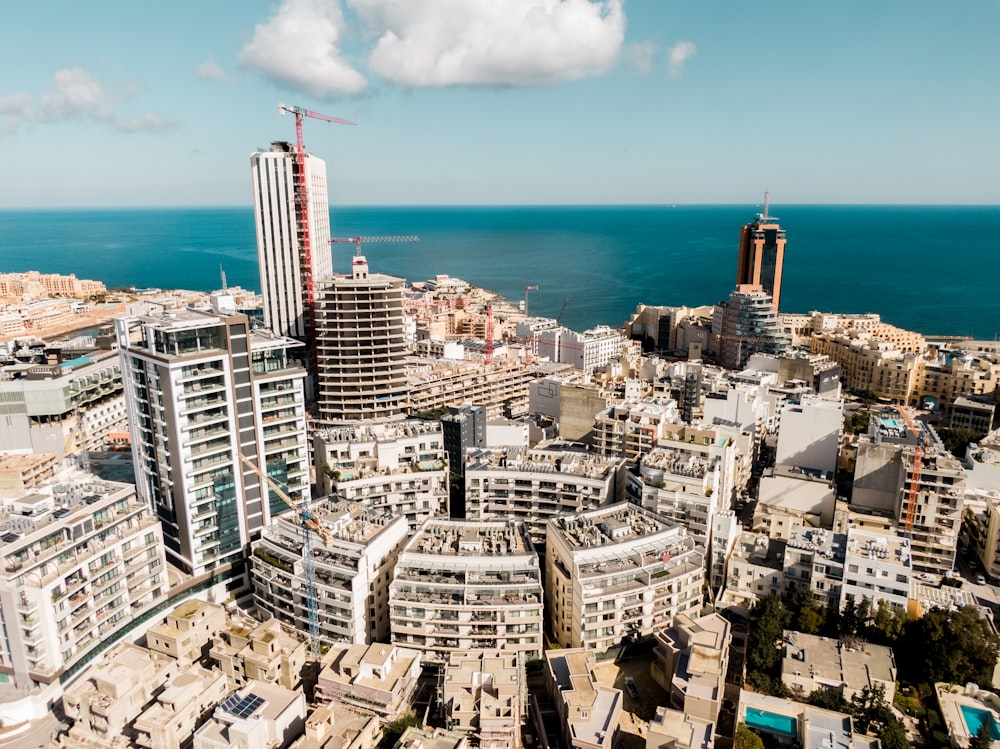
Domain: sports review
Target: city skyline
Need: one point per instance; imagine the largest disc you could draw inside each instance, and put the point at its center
(546, 102)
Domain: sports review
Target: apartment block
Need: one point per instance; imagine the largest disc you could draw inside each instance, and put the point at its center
(380, 678)
(501, 386)
(62, 408)
(81, 560)
(34, 284)
(809, 434)
(589, 351)
(463, 585)
(746, 324)
(179, 708)
(483, 694)
(258, 716)
(618, 573)
(785, 722)
(20, 473)
(690, 662)
(396, 467)
(246, 650)
(336, 727)
(952, 378)
(536, 485)
(629, 430)
(589, 712)
(869, 363)
(878, 567)
(186, 633)
(811, 662)
(686, 483)
(203, 389)
(756, 569)
(352, 565)
(815, 560)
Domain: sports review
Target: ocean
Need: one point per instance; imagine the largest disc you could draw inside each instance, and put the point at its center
(934, 269)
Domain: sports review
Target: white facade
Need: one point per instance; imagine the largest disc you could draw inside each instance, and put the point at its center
(279, 243)
(618, 572)
(878, 567)
(589, 351)
(809, 434)
(202, 389)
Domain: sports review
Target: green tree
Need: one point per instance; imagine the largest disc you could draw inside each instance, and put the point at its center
(747, 739)
(957, 439)
(893, 735)
(828, 699)
(807, 615)
(982, 739)
(887, 624)
(857, 422)
(950, 646)
(768, 619)
(870, 710)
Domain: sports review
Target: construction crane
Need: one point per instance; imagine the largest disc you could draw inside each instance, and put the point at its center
(918, 463)
(561, 310)
(302, 198)
(356, 241)
(533, 287)
(309, 524)
(489, 332)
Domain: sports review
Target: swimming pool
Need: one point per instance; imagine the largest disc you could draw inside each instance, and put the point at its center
(785, 725)
(974, 717)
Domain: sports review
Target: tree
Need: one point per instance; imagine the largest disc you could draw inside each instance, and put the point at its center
(887, 624)
(808, 617)
(893, 735)
(983, 737)
(870, 710)
(950, 646)
(957, 439)
(767, 621)
(828, 699)
(747, 739)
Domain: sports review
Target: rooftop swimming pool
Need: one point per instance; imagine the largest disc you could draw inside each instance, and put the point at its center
(975, 717)
(784, 725)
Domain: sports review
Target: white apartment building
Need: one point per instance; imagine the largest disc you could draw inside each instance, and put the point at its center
(878, 567)
(809, 434)
(202, 389)
(280, 235)
(258, 716)
(618, 573)
(352, 571)
(361, 346)
(589, 351)
(691, 659)
(464, 585)
(630, 430)
(536, 485)
(82, 560)
(589, 712)
(686, 482)
(397, 467)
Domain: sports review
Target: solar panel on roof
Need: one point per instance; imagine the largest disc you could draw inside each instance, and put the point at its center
(61, 512)
(92, 498)
(9, 537)
(245, 707)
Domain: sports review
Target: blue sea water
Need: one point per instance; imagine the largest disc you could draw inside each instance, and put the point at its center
(934, 269)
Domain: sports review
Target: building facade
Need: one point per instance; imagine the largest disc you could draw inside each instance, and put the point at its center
(762, 255)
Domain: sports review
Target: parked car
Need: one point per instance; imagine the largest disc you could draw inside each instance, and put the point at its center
(633, 691)
(980, 579)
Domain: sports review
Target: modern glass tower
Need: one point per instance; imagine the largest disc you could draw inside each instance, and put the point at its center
(762, 254)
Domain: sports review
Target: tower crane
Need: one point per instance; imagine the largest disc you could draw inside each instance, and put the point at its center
(309, 524)
(356, 241)
(302, 198)
(918, 463)
(489, 332)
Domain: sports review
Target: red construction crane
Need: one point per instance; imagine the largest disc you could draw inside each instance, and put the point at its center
(918, 464)
(302, 198)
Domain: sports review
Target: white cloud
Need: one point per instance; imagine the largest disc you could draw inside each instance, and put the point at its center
(680, 53)
(492, 42)
(640, 56)
(75, 95)
(210, 70)
(297, 48)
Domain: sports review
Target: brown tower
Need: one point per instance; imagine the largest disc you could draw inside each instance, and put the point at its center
(762, 252)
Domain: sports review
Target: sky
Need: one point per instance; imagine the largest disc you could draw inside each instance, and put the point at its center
(514, 102)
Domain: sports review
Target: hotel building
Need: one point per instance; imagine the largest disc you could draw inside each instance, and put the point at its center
(762, 254)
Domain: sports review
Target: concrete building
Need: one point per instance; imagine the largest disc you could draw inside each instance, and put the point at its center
(976, 416)
(762, 254)
(361, 346)
(657, 326)
(673, 729)
(203, 389)
(631, 429)
(690, 663)
(747, 324)
(419, 738)
(114, 691)
(815, 560)
(483, 694)
(536, 485)
(339, 727)
(793, 723)
(63, 408)
(756, 569)
(793, 496)
(259, 716)
(353, 565)
(589, 712)
(464, 585)
(618, 573)
(878, 567)
(588, 352)
(187, 632)
(286, 270)
(951, 378)
(170, 722)
(726, 530)
(21, 473)
(396, 467)
(463, 429)
(81, 560)
(501, 386)
(809, 434)
(379, 678)
(870, 363)
(247, 650)
(811, 662)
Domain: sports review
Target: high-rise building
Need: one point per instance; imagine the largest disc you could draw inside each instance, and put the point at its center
(361, 346)
(747, 324)
(280, 248)
(762, 254)
(463, 428)
(201, 388)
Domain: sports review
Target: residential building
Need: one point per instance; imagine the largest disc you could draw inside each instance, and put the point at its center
(82, 559)
(756, 569)
(187, 632)
(589, 712)
(631, 429)
(878, 567)
(380, 678)
(483, 694)
(809, 434)
(815, 561)
(352, 560)
(420, 738)
(618, 573)
(747, 324)
(501, 386)
(179, 708)
(762, 254)
(589, 351)
(976, 416)
(873, 364)
(790, 496)
(287, 270)
(463, 429)
(811, 662)
(361, 346)
(785, 722)
(247, 650)
(673, 729)
(202, 390)
(464, 585)
(952, 378)
(258, 716)
(690, 662)
(34, 284)
(536, 485)
(339, 727)
(20, 473)
(396, 467)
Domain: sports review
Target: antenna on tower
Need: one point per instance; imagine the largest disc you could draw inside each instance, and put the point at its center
(223, 273)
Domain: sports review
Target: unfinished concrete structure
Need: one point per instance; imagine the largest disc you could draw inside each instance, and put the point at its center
(379, 678)
(483, 693)
(589, 711)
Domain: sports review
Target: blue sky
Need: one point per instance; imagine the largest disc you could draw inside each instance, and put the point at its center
(119, 103)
